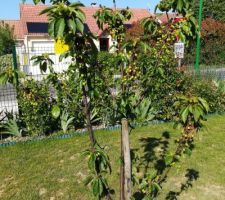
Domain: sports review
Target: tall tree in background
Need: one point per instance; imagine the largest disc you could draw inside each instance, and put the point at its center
(212, 8)
(6, 39)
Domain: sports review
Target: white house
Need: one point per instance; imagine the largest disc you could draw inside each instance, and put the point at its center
(32, 35)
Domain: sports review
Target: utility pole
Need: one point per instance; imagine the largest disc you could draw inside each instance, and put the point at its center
(198, 46)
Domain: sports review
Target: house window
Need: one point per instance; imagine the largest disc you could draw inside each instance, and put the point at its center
(104, 44)
(37, 27)
(42, 47)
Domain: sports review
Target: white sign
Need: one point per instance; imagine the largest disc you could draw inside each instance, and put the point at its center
(179, 50)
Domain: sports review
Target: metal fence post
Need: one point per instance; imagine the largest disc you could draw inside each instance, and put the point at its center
(198, 46)
(15, 64)
(15, 70)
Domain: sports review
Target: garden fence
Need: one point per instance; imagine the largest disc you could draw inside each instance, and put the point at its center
(8, 100)
(206, 70)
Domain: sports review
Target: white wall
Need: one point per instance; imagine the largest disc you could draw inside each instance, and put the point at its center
(36, 45)
(111, 42)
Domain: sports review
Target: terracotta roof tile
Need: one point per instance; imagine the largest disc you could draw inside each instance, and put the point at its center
(164, 19)
(30, 13)
(16, 24)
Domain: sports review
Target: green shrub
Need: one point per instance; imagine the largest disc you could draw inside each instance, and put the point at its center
(108, 66)
(68, 87)
(6, 61)
(162, 84)
(212, 91)
(212, 44)
(68, 95)
(35, 104)
(7, 40)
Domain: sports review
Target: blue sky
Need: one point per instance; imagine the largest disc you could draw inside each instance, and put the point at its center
(10, 8)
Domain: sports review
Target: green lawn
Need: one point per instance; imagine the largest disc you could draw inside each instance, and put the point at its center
(55, 170)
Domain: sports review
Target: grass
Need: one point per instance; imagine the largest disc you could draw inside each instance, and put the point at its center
(54, 169)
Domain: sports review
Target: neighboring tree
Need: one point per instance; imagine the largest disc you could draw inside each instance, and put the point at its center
(136, 31)
(159, 69)
(5, 62)
(186, 28)
(211, 8)
(212, 44)
(7, 40)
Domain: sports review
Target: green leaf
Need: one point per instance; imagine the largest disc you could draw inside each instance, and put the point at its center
(190, 109)
(80, 25)
(196, 114)
(184, 114)
(88, 180)
(96, 188)
(91, 162)
(36, 1)
(50, 62)
(176, 104)
(152, 174)
(86, 153)
(43, 66)
(63, 56)
(168, 160)
(59, 28)
(12, 128)
(80, 14)
(204, 103)
(66, 121)
(47, 10)
(192, 19)
(3, 78)
(161, 72)
(36, 62)
(104, 182)
(76, 5)
(72, 25)
(51, 28)
(188, 151)
(100, 183)
(55, 111)
(177, 157)
(179, 5)
(157, 186)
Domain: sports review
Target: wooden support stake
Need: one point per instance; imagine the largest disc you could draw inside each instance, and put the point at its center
(121, 168)
(127, 159)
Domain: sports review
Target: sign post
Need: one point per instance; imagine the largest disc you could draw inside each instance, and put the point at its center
(179, 52)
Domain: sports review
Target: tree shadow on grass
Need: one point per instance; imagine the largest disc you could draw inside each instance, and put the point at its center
(155, 151)
(191, 175)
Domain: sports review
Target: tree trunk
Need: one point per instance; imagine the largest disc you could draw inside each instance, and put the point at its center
(127, 159)
(87, 113)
